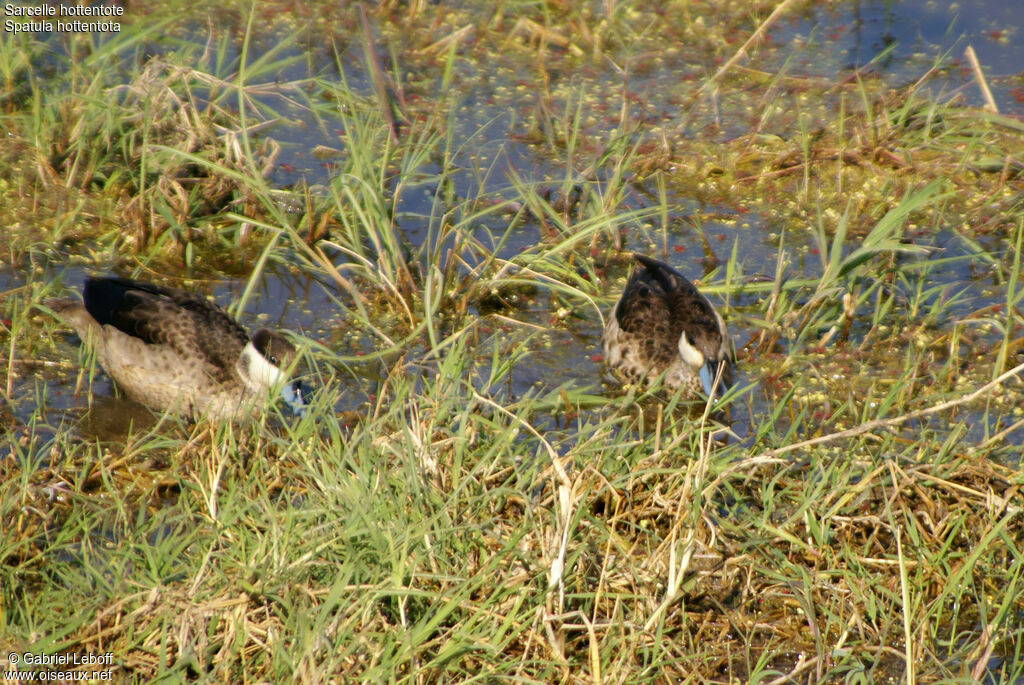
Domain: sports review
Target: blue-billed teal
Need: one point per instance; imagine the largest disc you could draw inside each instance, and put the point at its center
(173, 350)
(663, 325)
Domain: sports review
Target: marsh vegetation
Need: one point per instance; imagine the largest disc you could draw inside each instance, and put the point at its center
(447, 196)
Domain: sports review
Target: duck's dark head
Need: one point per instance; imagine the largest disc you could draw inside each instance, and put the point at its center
(267, 362)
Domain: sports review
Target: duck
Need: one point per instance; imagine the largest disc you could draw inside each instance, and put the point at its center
(175, 351)
(663, 327)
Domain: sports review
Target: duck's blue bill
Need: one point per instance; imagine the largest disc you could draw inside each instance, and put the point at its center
(707, 375)
(293, 395)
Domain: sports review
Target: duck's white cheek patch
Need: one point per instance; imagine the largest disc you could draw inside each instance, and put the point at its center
(690, 354)
(262, 374)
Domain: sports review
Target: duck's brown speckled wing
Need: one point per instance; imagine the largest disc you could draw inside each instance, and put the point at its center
(194, 327)
(645, 321)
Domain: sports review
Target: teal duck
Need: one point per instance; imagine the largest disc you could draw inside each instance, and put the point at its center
(662, 326)
(173, 350)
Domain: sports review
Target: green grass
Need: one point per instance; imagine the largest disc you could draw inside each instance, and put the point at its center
(455, 523)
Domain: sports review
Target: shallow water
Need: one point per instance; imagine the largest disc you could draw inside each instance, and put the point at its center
(561, 352)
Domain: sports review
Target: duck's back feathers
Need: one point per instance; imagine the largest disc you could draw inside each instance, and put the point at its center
(643, 315)
(689, 311)
(173, 350)
(191, 325)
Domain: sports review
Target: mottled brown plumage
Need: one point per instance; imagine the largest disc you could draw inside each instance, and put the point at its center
(175, 350)
(663, 325)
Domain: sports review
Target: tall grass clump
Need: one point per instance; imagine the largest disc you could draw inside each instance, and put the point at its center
(155, 148)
